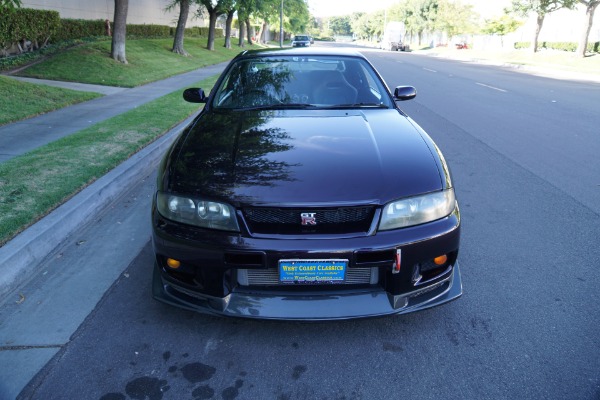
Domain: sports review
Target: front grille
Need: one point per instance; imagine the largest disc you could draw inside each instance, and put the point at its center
(286, 221)
(270, 277)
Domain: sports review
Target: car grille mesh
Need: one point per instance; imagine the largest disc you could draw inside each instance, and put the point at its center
(327, 220)
(270, 277)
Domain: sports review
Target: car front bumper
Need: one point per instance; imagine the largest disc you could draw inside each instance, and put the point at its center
(208, 279)
(318, 306)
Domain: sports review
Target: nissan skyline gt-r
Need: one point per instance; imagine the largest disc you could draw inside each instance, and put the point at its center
(301, 191)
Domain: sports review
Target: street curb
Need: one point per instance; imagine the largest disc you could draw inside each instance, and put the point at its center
(21, 257)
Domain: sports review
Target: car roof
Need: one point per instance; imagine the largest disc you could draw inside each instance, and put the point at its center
(306, 51)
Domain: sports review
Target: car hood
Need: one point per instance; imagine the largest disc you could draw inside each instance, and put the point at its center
(301, 157)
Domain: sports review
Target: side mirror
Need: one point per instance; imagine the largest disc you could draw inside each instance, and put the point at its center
(194, 95)
(403, 93)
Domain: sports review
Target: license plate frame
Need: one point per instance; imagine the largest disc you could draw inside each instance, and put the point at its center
(312, 272)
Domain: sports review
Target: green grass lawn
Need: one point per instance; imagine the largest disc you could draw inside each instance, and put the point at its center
(148, 60)
(22, 100)
(34, 184)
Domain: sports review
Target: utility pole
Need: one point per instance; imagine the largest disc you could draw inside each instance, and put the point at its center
(281, 25)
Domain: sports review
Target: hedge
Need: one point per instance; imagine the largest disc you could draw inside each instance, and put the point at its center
(41, 27)
(592, 47)
(71, 29)
(148, 31)
(25, 24)
(200, 31)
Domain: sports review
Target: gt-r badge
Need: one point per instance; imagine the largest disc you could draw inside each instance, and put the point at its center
(308, 219)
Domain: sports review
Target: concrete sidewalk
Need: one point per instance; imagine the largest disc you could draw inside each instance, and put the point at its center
(20, 258)
(23, 136)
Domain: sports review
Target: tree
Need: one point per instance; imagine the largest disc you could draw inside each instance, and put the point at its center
(418, 16)
(117, 50)
(541, 8)
(340, 25)
(297, 16)
(214, 11)
(249, 30)
(228, 23)
(244, 8)
(428, 11)
(590, 8)
(228, 8)
(184, 9)
(501, 26)
(455, 18)
(359, 22)
(265, 10)
(367, 26)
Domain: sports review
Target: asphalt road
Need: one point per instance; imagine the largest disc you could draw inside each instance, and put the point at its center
(524, 154)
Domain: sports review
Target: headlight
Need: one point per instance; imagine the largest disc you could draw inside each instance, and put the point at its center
(417, 210)
(202, 213)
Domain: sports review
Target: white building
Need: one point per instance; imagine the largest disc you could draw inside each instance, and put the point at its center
(139, 11)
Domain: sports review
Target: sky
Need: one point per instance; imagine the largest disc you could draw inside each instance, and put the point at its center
(328, 8)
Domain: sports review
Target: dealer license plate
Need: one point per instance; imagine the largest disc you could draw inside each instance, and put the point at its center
(312, 271)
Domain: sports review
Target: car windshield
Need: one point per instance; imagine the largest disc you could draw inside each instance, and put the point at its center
(301, 82)
(305, 38)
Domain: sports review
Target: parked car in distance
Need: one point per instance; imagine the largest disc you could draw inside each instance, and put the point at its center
(301, 41)
(301, 191)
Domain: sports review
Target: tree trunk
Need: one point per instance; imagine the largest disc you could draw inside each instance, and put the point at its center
(117, 49)
(587, 26)
(260, 33)
(249, 30)
(212, 24)
(264, 35)
(242, 32)
(184, 9)
(228, 23)
(536, 34)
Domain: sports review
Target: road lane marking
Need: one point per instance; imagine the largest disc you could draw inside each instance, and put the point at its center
(430, 70)
(491, 87)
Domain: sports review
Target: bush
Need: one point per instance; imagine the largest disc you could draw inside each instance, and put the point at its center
(71, 29)
(148, 31)
(25, 24)
(592, 47)
(41, 25)
(189, 32)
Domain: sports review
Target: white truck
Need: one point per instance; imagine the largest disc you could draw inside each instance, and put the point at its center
(393, 37)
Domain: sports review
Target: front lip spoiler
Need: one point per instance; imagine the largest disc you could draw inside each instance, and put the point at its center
(314, 307)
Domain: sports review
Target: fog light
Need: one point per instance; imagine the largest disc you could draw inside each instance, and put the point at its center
(173, 263)
(441, 260)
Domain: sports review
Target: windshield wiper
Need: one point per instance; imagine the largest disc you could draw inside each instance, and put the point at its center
(284, 106)
(356, 105)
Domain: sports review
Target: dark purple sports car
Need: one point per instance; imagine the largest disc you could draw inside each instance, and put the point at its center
(302, 192)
